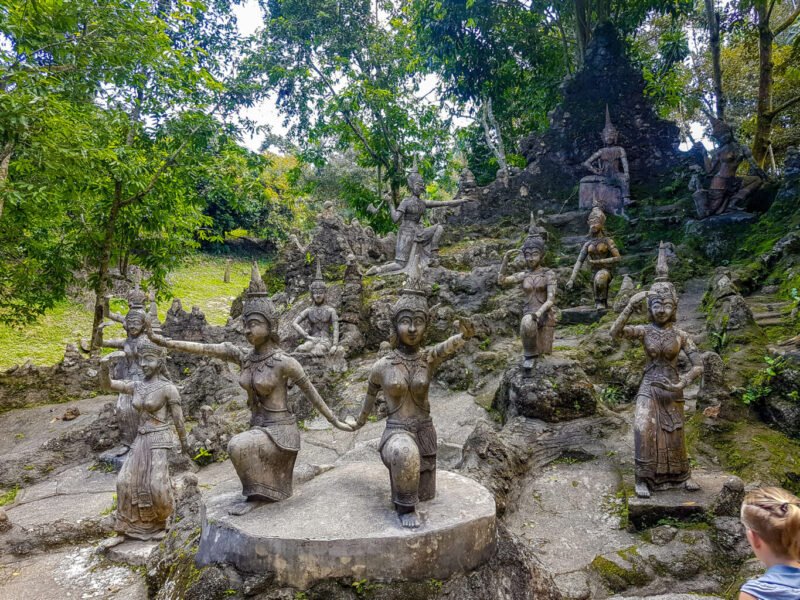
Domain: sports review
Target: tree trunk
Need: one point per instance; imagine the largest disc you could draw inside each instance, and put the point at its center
(714, 45)
(764, 114)
(494, 138)
(5, 159)
(104, 260)
(583, 31)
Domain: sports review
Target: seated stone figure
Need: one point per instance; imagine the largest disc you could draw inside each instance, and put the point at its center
(602, 254)
(609, 187)
(322, 335)
(412, 232)
(725, 191)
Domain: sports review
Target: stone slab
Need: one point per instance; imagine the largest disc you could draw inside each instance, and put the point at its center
(585, 315)
(134, 553)
(677, 504)
(342, 525)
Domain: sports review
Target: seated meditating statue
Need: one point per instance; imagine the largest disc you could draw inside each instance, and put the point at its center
(659, 439)
(322, 335)
(264, 455)
(602, 254)
(408, 446)
(144, 490)
(412, 231)
(609, 187)
(537, 328)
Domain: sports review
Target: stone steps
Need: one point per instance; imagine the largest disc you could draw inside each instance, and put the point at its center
(769, 311)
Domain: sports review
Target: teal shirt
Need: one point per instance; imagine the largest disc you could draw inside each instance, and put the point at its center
(780, 582)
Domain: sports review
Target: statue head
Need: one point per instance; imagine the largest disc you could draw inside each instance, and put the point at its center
(662, 300)
(610, 133)
(258, 314)
(152, 315)
(533, 248)
(410, 312)
(152, 359)
(596, 220)
(318, 287)
(416, 184)
(135, 319)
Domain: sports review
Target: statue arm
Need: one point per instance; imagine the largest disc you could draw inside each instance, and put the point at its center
(444, 350)
(623, 158)
(296, 323)
(552, 285)
(397, 212)
(295, 373)
(695, 357)
(114, 316)
(113, 385)
(174, 401)
(589, 163)
(579, 263)
(613, 259)
(118, 343)
(620, 328)
(440, 204)
(225, 351)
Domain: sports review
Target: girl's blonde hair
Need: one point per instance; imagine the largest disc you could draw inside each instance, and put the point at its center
(774, 514)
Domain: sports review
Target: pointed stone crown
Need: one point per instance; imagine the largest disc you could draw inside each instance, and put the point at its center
(155, 323)
(597, 216)
(319, 281)
(413, 175)
(257, 300)
(662, 289)
(136, 298)
(148, 348)
(609, 130)
(537, 236)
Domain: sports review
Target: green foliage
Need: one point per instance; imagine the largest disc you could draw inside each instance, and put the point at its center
(611, 396)
(203, 457)
(758, 388)
(9, 496)
(720, 338)
(112, 508)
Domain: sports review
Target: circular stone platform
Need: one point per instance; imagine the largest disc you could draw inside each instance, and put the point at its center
(341, 525)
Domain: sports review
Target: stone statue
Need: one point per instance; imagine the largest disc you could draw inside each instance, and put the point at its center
(128, 369)
(322, 336)
(658, 427)
(263, 456)
(602, 254)
(537, 328)
(725, 191)
(144, 491)
(609, 187)
(408, 445)
(412, 232)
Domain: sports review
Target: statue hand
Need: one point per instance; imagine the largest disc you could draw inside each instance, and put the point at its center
(570, 284)
(509, 253)
(113, 356)
(343, 426)
(466, 327)
(638, 297)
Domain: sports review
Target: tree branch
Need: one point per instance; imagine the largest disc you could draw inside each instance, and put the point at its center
(788, 104)
(788, 22)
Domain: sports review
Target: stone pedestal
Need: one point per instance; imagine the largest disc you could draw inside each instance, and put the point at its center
(132, 552)
(595, 190)
(555, 389)
(585, 315)
(341, 524)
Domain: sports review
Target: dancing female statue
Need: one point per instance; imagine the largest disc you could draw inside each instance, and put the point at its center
(609, 187)
(408, 445)
(263, 456)
(602, 254)
(537, 328)
(658, 427)
(144, 491)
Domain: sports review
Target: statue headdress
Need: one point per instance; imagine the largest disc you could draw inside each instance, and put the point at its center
(319, 282)
(148, 348)
(413, 296)
(597, 216)
(537, 236)
(413, 174)
(257, 302)
(136, 298)
(152, 315)
(662, 289)
(609, 130)
(719, 127)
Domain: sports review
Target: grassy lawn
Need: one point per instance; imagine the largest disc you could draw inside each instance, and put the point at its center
(197, 282)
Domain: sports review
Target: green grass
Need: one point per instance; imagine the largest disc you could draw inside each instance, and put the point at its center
(197, 282)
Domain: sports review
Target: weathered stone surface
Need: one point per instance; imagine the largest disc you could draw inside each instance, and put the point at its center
(5, 523)
(581, 315)
(341, 524)
(134, 553)
(668, 597)
(729, 500)
(718, 235)
(713, 387)
(783, 414)
(678, 503)
(730, 539)
(555, 389)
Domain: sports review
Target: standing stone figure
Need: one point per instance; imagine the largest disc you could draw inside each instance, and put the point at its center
(726, 191)
(322, 335)
(408, 445)
(602, 254)
(537, 328)
(144, 491)
(412, 231)
(658, 428)
(609, 187)
(128, 369)
(263, 456)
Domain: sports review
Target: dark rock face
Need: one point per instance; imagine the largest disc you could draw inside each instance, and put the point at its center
(719, 235)
(556, 389)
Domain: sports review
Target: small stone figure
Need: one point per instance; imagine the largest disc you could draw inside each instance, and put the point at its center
(659, 440)
(412, 232)
(602, 254)
(128, 369)
(537, 328)
(609, 187)
(263, 456)
(322, 336)
(725, 191)
(408, 446)
(144, 490)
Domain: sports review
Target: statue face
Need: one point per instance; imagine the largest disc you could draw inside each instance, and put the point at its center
(150, 364)
(416, 185)
(256, 329)
(411, 328)
(134, 323)
(533, 257)
(662, 310)
(595, 227)
(610, 138)
(318, 296)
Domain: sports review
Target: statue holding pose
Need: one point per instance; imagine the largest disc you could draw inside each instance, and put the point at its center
(322, 335)
(602, 254)
(726, 191)
(412, 231)
(609, 187)
(263, 456)
(144, 491)
(408, 446)
(537, 328)
(658, 428)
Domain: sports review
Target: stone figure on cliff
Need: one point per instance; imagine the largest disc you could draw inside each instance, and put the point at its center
(659, 438)
(264, 455)
(322, 333)
(408, 445)
(412, 232)
(609, 187)
(725, 191)
(602, 253)
(537, 327)
(144, 490)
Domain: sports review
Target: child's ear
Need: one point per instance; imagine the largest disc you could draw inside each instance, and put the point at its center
(753, 538)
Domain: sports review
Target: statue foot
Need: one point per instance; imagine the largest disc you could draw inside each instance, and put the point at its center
(104, 546)
(691, 485)
(410, 520)
(245, 506)
(642, 490)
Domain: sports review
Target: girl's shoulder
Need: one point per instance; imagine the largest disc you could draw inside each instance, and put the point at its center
(778, 583)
